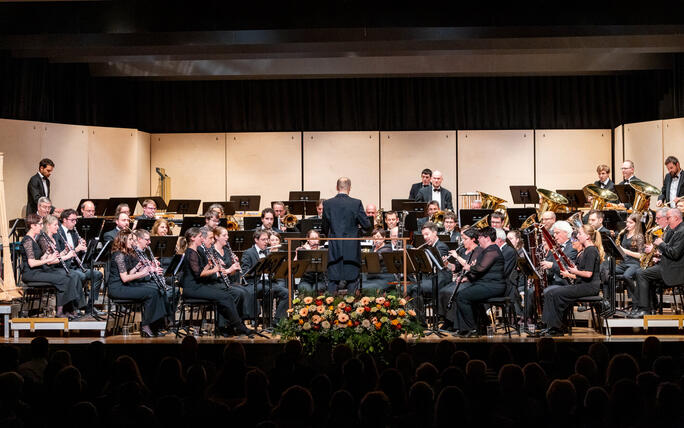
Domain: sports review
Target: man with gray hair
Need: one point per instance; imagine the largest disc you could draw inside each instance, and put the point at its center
(509, 253)
(561, 231)
(670, 269)
(436, 192)
(44, 206)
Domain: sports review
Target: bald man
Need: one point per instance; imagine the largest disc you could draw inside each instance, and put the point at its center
(436, 192)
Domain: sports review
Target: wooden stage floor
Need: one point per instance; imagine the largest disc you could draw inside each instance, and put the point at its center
(579, 334)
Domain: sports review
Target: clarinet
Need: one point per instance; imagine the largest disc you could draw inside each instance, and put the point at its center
(458, 281)
(235, 259)
(53, 249)
(213, 256)
(159, 281)
(70, 248)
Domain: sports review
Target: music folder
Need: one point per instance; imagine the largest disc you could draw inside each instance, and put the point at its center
(625, 193)
(575, 197)
(144, 224)
(472, 216)
(311, 223)
(112, 203)
(240, 240)
(100, 206)
(516, 216)
(163, 246)
(304, 196)
(158, 200)
(228, 206)
(525, 195)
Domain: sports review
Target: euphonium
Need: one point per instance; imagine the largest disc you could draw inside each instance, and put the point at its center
(491, 202)
(600, 197)
(642, 194)
(575, 220)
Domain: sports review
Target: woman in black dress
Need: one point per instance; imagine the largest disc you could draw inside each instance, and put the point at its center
(130, 280)
(231, 267)
(632, 243)
(40, 263)
(587, 282)
(199, 274)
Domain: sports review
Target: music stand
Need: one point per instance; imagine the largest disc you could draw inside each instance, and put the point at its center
(88, 262)
(100, 206)
(529, 271)
(398, 204)
(472, 216)
(183, 206)
(625, 193)
(112, 203)
(575, 197)
(246, 202)
(394, 263)
(228, 206)
(411, 222)
(255, 273)
(163, 246)
(425, 262)
(525, 195)
(251, 222)
(241, 240)
(145, 224)
(88, 228)
(614, 253)
(612, 220)
(517, 216)
(270, 266)
(305, 196)
(317, 263)
(296, 207)
(370, 263)
(311, 223)
(191, 221)
(107, 226)
(158, 200)
(174, 267)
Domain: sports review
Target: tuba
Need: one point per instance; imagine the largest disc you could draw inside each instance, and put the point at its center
(643, 192)
(491, 202)
(232, 224)
(551, 201)
(575, 220)
(482, 223)
(529, 222)
(600, 197)
(438, 218)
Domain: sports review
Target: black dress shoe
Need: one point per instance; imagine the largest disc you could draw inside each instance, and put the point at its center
(242, 329)
(469, 333)
(447, 325)
(553, 332)
(145, 334)
(637, 314)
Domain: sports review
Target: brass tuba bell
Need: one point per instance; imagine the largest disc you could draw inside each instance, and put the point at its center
(529, 221)
(551, 201)
(232, 224)
(482, 223)
(643, 192)
(438, 218)
(599, 196)
(491, 202)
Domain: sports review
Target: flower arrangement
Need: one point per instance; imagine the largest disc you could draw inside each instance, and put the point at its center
(366, 324)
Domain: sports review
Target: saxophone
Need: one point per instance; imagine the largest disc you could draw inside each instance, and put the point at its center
(646, 259)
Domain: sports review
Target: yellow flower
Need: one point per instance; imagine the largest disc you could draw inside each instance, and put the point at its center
(308, 300)
(395, 321)
(331, 307)
(306, 326)
(401, 313)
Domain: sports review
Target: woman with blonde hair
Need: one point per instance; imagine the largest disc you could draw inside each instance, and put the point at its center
(632, 243)
(161, 228)
(587, 281)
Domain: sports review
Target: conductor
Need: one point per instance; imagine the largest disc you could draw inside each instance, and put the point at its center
(342, 216)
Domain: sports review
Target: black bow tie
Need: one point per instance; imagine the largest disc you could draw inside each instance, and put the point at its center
(262, 252)
(437, 190)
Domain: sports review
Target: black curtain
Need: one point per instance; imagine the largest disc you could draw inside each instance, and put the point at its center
(67, 93)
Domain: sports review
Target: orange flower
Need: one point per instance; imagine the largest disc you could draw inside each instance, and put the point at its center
(401, 313)
(301, 322)
(378, 325)
(303, 312)
(395, 321)
(349, 323)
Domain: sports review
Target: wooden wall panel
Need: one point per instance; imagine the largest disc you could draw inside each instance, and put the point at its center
(403, 155)
(491, 161)
(20, 141)
(264, 163)
(567, 158)
(67, 146)
(331, 155)
(618, 155)
(644, 147)
(142, 143)
(196, 164)
(673, 139)
(113, 162)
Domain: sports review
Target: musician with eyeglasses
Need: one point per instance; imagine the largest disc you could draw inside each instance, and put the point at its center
(88, 209)
(496, 220)
(435, 192)
(627, 169)
(670, 269)
(585, 278)
(40, 263)
(67, 238)
(450, 223)
(561, 233)
(673, 185)
(149, 210)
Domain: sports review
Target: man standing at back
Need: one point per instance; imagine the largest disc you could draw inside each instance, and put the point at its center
(342, 216)
(39, 185)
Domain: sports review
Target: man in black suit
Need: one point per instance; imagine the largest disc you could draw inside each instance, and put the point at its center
(67, 234)
(627, 176)
(595, 219)
(425, 177)
(604, 181)
(39, 185)
(436, 192)
(280, 213)
(430, 210)
(342, 217)
(122, 222)
(319, 211)
(670, 269)
(416, 291)
(250, 258)
(509, 253)
(673, 185)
